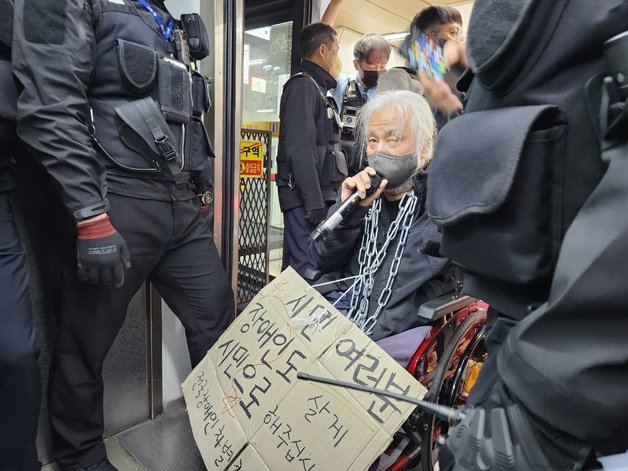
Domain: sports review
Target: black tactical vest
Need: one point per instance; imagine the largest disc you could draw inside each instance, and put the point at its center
(332, 162)
(352, 100)
(145, 118)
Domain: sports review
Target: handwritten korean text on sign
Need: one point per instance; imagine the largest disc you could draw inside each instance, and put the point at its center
(249, 411)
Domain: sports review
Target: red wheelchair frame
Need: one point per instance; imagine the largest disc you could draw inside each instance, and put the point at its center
(447, 363)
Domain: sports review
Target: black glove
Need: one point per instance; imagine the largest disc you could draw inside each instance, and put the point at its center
(101, 252)
(499, 434)
(315, 216)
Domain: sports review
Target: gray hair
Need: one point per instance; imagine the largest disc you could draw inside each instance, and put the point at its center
(411, 109)
(372, 47)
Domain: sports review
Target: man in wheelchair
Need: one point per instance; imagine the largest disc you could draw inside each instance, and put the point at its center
(380, 263)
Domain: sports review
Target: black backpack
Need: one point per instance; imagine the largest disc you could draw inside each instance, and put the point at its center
(511, 174)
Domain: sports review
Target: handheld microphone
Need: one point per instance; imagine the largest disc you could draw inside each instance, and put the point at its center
(449, 414)
(345, 208)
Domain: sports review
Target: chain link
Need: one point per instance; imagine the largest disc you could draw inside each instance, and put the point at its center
(368, 247)
(370, 259)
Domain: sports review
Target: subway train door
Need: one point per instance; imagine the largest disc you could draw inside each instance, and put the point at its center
(268, 60)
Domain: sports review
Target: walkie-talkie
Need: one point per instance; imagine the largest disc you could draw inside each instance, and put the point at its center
(182, 47)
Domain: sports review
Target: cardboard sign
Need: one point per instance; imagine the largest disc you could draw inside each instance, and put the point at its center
(251, 159)
(250, 412)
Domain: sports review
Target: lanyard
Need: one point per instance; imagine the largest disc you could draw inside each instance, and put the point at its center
(166, 30)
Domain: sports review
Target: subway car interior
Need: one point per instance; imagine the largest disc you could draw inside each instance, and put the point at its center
(252, 55)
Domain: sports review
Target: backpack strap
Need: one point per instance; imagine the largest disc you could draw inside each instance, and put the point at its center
(352, 96)
(304, 75)
(328, 101)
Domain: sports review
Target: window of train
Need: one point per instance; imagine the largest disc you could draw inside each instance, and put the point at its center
(266, 68)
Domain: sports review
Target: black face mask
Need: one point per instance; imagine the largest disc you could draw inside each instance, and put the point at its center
(371, 77)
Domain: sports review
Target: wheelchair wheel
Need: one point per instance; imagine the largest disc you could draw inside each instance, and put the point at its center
(458, 368)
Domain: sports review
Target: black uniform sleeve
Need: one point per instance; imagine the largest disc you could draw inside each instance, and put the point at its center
(302, 100)
(333, 251)
(53, 44)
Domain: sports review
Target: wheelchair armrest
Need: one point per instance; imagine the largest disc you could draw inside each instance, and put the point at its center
(436, 308)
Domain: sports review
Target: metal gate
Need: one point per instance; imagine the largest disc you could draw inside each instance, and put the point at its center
(255, 171)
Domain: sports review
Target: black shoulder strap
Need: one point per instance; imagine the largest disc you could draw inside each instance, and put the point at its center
(328, 101)
(304, 75)
(352, 96)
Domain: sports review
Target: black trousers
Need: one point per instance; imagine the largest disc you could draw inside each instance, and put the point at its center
(170, 246)
(20, 380)
(296, 234)
(296, 231)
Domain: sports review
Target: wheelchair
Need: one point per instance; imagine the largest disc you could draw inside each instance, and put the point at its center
(448, 363)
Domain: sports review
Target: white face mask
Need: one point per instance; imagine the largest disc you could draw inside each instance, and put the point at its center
(335, 66)
(396, 169)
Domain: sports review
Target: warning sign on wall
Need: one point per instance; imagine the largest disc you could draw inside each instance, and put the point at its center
(251, 159)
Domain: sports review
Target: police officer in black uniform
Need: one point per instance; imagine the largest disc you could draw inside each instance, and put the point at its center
(20, 387)
(310, 164)
(112, 109)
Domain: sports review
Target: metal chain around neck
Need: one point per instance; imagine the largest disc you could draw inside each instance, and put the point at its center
(370, 260)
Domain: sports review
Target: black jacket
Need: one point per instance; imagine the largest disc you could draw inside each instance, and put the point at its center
(7, 96)
(69, 57)
(420, 277)
(305, 132)
(53, 62)
(7, 133)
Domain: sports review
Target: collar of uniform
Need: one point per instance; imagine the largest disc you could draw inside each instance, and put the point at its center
(158, 6)
(320, 75)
